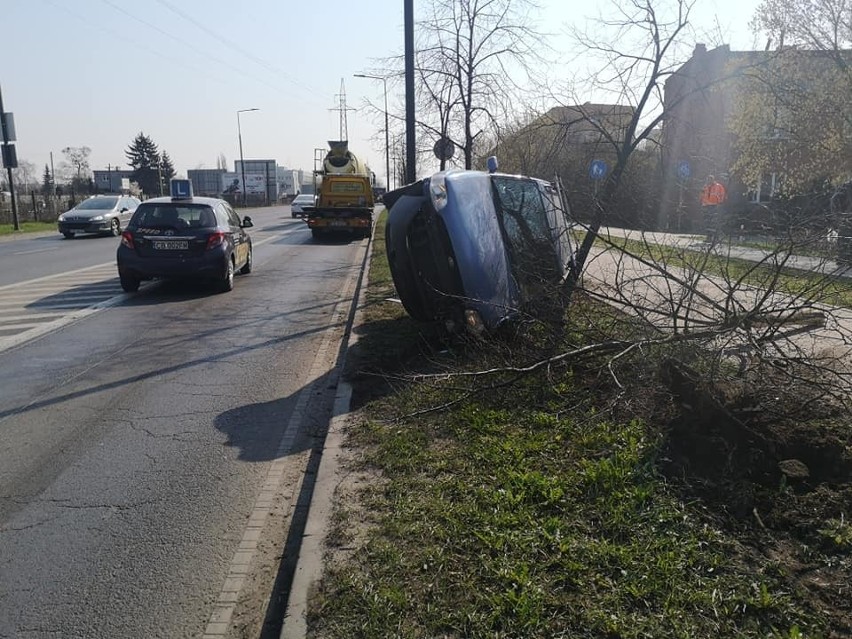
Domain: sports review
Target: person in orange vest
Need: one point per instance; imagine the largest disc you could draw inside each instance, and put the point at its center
(713, 196)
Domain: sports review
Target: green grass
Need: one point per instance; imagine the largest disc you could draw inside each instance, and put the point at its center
(533, 510)
(501, 522)
(27, 227)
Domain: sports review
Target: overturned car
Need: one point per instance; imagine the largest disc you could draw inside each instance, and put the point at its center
(475, 249)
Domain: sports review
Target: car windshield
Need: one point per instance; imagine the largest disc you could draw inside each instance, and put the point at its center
(304, 199)
(528, 239)
(98, 204)
(176, 216)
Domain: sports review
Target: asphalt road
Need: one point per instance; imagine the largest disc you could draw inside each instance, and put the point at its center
(143, 446)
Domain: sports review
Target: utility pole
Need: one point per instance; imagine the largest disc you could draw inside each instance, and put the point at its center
(387, 135)
(242, 161)
(11, 161)
(410, 159)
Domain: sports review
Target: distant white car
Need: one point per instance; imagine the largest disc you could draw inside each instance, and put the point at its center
(302, 200)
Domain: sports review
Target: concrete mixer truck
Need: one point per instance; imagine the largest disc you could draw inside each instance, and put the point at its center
(344, 193)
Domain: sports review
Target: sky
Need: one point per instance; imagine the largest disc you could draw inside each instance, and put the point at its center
(96, 73)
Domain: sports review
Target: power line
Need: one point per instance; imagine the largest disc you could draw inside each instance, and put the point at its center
(238, 48)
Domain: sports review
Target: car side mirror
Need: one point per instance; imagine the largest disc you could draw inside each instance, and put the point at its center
(247, 222)
(124, 209)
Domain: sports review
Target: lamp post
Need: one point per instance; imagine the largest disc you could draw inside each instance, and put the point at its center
(387, 142)
(242, 161)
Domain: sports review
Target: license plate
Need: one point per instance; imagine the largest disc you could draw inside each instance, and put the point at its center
(338, 223)
(171, 245)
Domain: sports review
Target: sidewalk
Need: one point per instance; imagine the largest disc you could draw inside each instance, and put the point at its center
(730, 249)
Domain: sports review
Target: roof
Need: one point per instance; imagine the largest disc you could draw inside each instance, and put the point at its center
(210, 201)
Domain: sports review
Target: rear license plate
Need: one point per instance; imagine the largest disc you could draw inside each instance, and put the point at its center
(338, 223)
(171, 245)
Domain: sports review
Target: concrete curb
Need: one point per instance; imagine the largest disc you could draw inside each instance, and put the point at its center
(310, 563)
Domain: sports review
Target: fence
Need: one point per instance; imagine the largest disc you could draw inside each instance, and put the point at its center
(35, 207)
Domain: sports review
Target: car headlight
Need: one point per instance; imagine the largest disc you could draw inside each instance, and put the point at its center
(98, 218)
(438, 191)
(62, 217)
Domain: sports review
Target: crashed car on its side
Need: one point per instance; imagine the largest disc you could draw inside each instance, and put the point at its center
(476, 249)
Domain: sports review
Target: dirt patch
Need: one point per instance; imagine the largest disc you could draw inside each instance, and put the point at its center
(782, 486)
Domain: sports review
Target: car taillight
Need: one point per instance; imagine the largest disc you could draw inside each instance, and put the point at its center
(127, 239)
(216, 239)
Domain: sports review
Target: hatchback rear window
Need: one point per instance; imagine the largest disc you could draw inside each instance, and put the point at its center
(175, 216)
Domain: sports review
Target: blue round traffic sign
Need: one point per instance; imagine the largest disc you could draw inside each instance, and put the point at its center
(598, 169)
(683, 169)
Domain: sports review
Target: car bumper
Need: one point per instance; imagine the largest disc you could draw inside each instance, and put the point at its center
(103, 226)
(209, 265)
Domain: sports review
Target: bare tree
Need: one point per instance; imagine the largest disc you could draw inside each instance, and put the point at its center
(821, 25)
(78, 158)
(469, 54)
(26, 176)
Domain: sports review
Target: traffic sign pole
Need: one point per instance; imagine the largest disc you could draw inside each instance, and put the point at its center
(15, 222)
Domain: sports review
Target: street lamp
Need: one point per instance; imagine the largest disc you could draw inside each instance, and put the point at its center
(242, 162)
(387, 143)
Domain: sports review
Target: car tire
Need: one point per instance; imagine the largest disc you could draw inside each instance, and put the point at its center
(129, 284)
(68, 235)
(115, 227)
(227, 283)
(246, 269)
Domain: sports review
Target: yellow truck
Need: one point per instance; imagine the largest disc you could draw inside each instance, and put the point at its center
(344, 188)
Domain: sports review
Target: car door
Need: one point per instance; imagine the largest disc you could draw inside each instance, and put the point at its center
(130, 203)
(124, 211)
(238, 237)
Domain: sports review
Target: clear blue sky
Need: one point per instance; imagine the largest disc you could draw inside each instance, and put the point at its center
(96, 72)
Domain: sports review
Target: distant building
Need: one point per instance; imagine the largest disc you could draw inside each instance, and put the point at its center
(565, 136)
(206, 182)
(708, 94)
(112, 180)
(268, 169)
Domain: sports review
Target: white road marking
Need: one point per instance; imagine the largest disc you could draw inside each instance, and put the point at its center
(41, 250)
(25, 306)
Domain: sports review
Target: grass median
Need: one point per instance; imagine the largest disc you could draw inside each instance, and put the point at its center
(27, 227)
(547, 505)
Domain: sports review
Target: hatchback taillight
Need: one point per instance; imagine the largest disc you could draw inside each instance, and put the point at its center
(216, 239)
(127, 239)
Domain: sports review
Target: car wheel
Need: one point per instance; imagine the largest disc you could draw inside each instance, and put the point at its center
(68, 235)
(129, 284)
(227, 284)
(246, 269)
(115, 227)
